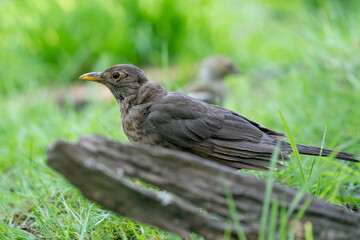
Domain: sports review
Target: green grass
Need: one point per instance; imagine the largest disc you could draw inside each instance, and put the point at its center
(294, 148)
(232, 210)
(299, 57)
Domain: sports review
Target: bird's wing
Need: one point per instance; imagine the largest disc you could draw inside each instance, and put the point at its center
(211, 132)
(275, 134)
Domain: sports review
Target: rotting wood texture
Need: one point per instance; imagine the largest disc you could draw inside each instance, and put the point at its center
(101, 169)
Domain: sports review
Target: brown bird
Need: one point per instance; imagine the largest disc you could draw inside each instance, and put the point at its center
(152, 115)
(210, 86)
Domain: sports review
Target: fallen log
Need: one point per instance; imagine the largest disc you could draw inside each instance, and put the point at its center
(101, 169)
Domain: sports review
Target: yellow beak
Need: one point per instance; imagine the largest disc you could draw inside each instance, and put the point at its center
(93, 76)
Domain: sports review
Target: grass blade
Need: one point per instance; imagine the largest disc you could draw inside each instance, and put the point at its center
(20, 234)
(227, 233)
(233, 212)
(46, 205)
(283, 221)
(273, 220)
(294, 148)
(268, 191)
(301, 212)
(83, 228)
(308, 231)
(337, 184)
(321, 150)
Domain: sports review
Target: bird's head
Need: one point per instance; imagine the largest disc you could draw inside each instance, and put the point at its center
(217, 68)
(123, 80)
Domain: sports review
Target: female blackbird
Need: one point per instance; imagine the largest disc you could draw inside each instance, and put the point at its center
(152, 115)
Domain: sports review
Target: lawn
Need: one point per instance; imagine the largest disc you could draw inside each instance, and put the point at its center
(299, 57)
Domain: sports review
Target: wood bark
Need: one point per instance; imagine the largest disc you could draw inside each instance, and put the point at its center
(101, 169)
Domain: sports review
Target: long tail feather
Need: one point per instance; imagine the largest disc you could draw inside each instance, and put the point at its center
(315, 151)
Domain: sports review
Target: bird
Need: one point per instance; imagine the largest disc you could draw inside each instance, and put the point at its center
(210, 86)
(152, 115)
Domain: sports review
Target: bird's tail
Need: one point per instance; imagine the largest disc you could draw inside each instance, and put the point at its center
(315, 151)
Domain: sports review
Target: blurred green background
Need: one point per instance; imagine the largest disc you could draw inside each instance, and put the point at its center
(300, 57)
(52, 42)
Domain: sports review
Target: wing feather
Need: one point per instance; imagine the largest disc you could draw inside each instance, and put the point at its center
(213, 132)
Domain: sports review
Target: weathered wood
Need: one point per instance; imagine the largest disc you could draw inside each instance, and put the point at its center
(99, 167)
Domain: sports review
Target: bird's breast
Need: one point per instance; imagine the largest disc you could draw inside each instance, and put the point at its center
(134, 125)
(138, 129)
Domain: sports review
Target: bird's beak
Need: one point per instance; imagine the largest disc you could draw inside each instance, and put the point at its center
(93, 76)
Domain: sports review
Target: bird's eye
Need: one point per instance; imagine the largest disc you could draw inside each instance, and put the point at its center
(116, 75)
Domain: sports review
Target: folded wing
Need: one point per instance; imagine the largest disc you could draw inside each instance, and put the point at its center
(213, 132)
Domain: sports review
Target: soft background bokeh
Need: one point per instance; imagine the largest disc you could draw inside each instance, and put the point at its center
(299, 57)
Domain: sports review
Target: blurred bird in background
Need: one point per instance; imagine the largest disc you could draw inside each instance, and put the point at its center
(210, 86)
